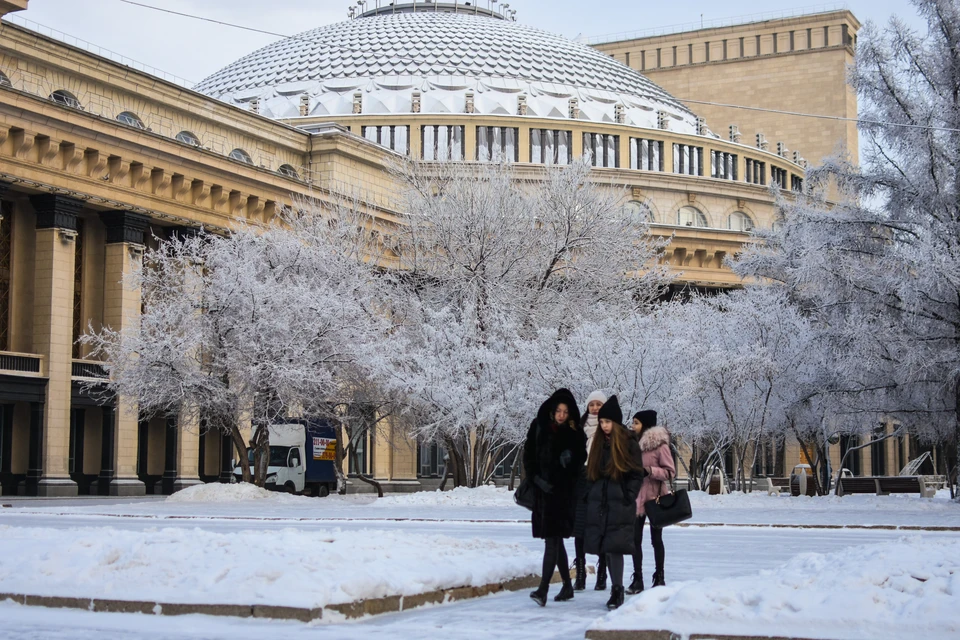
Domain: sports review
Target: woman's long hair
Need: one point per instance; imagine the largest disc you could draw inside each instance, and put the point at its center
(620, 462)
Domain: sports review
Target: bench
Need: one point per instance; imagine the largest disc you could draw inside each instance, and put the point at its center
(885, 485)
(773, 486)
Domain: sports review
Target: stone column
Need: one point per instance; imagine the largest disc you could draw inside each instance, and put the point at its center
(187, 449)
(121, 310)
(171, 431)
(53, 337)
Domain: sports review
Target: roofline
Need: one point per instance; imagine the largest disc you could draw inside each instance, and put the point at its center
(720, 25)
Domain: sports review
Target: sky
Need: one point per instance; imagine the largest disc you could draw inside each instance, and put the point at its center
(193, 49)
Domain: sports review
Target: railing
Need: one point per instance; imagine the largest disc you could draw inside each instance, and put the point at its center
(96, 50)
(21, 363)
(88, 369)
(714, 24)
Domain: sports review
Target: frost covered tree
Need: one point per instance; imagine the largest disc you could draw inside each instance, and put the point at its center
(488, 261)
(881, 269)
(255, 325)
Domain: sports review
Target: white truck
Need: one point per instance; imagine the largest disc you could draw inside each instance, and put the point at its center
(301, 458)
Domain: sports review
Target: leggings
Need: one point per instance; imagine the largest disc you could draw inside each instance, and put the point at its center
(554, 557)
(615, 566)
(656, 536)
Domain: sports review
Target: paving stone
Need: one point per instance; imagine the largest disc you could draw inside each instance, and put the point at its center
(421, 599)
(236, 610)
(124, 606)
(274, 612)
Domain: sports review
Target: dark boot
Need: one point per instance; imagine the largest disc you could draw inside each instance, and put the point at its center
(636, 585)
(616, 598)
(601, 574)
(658, 579)
(566, 593)
(540, 596)
(580, 566)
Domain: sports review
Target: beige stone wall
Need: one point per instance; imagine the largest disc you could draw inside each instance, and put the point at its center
(789, 71)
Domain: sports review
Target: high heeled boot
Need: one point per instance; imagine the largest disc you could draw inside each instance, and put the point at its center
(580, 566)
(601, 574)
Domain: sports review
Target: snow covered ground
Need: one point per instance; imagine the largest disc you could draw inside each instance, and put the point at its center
(211, 516)
(905, 589)
(496, 504)
(289, 567)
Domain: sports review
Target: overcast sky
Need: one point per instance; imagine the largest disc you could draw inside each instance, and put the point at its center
(193, 49)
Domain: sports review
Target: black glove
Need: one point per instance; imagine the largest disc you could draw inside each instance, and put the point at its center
(545, 486)
(565, 458)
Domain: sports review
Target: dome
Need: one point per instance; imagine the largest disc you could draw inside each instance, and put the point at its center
(389, 56)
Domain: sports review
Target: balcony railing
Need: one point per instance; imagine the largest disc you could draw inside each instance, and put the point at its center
(89, 369)
(24, 364)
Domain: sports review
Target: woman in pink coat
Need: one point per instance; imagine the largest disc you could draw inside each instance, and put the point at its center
(660, 468)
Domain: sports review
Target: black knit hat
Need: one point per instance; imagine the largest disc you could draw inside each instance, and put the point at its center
(611, 410)
(647, 417)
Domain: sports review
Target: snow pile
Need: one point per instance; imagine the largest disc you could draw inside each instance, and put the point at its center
(241, 492)
(905, 589)
(762, 501)
(281, 567)
(485, 496)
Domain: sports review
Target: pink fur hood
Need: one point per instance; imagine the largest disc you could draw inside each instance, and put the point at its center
(654, 437)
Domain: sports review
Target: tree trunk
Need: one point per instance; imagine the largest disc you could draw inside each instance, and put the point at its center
(338, 464)
(261, 454)
(514, 468)
(241, 447)
(356, 463)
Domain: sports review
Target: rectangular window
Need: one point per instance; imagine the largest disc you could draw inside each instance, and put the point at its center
(442, 142)
(643, 60)
(878, 454)
(549, 146)
(646, 155)
(742, 52)
(826, 36)
(724, 49)
(793, 41)
(628, 58)
(78, 289)
(756, 172)
(758, 46)
(779, 176)
(396, 138)
(796, 184)
(706, 51)
(604, 149)
(853, 460)
(688, 159)
(659, 60)
(690, 53)
(497, 144)
(430, 459)
(505, 461)
(6, 246)
(775, 39)
(723, 165)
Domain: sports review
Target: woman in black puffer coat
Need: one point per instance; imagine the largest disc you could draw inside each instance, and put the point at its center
(553, 457)
(615, 470)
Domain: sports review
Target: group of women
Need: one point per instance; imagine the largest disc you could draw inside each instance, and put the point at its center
(592, 476)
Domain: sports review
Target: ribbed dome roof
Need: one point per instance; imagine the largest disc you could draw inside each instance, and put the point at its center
(442, 56)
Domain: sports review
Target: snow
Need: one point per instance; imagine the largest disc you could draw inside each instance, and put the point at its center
(485, 496)
(287, 566)
(904, 589)
(225, 493)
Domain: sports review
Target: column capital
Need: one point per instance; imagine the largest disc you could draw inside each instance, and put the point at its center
(124, 226)
(56, 211)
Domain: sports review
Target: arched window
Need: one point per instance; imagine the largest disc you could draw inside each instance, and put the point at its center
(67, 99)
(131, 119)
(739, 221)
(638, 212)
(187, 137)
(289, 171)
(241, 155)
(4, 80)
(691, 217)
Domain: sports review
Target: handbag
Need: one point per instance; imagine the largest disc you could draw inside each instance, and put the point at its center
(525, 494)
(669, 509)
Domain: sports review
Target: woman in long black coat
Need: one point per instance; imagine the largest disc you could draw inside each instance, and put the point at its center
(615, 470)
(553, 457)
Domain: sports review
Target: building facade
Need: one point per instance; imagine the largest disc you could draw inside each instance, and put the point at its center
(99, 160)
